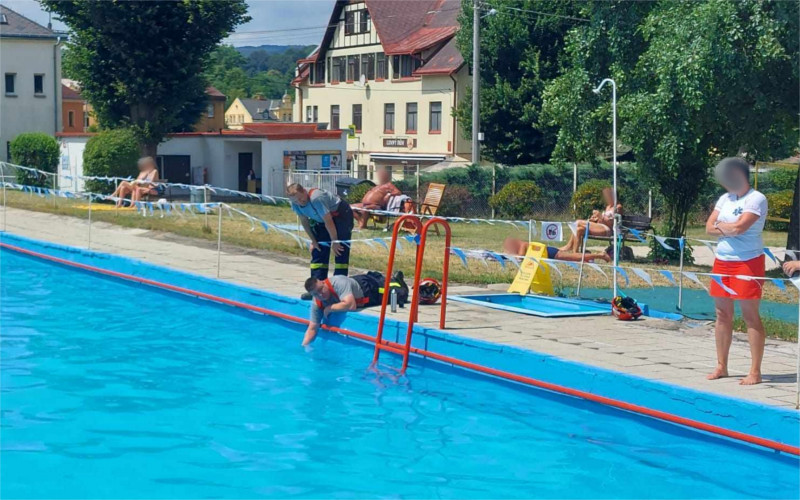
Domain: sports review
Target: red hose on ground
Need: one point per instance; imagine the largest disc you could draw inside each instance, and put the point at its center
(399, 348)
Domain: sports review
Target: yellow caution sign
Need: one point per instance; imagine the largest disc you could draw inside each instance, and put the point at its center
(533, 275)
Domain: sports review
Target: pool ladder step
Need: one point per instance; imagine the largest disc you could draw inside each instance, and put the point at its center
(413, 315)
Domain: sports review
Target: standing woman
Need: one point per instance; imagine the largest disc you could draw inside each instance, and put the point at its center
(738, 220)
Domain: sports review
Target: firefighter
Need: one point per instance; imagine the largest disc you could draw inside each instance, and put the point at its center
(328, 220)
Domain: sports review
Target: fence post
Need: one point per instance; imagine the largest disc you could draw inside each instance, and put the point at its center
(418, 199)
(219, 236)
(583, 259)
(680, 277)
(494, 183)
(116, 202)
(5, 194)
(650, 203)
(530, 231)
(574, 183)
(54, 190)
(89, 240)
(205, 201)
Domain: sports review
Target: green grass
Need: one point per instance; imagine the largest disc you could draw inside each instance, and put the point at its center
(775, 328)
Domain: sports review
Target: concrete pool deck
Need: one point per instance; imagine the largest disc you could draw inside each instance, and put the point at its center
(677, 353)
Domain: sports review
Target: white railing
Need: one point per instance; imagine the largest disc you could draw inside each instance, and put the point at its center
(319, 179)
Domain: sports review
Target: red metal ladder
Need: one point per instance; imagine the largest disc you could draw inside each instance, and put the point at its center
(413, 316)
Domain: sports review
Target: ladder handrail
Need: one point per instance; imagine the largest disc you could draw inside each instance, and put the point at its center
(414, 310)
(389, 268)
(413, 314)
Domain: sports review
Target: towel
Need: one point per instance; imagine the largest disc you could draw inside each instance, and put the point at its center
(396, 203)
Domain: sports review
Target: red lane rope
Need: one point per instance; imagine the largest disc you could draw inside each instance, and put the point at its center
(398, 349)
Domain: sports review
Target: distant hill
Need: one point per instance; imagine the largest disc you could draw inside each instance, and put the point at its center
(246, 50)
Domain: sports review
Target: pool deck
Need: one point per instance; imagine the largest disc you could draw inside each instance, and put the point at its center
(679, 353)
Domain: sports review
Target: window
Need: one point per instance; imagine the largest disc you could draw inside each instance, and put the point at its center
(308, 114)
(357, 117)
(411, 118)
(342, 69)
(436, 117)
(318, 75)
(210, 110)
(316, 114)
(71, 119)
(363, 21)
(352, 68)
(404, 66)
(357, 21)
(382, 69)
(335, 117)
(38, 84)
(85, 119)
(350, 22)
(388, 118)
(3, 19)
(368, 66)
(11, 80)
(335, 62)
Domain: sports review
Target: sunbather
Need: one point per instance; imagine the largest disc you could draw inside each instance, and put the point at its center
(144, 184)
(516, 246)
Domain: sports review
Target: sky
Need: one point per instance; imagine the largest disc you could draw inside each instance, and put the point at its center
(275, 22)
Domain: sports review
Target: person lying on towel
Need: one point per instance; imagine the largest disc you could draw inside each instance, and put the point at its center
(348, 293)
(514, 246)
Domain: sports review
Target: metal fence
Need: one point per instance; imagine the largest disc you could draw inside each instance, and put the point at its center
(319, 179)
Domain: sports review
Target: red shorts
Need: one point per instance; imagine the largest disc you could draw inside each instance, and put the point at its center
(745, 289)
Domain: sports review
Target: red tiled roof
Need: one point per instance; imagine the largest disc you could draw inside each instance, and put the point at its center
(213, 92)
(445, 62)
(409, 26)
(70, 94)
(274, 131)
(302, 75)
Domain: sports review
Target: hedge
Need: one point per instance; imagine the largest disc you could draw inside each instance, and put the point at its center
(110, 153)
(35, 150)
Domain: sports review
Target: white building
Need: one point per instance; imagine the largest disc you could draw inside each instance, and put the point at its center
(30, 65)
(225, 158)
(391, 71)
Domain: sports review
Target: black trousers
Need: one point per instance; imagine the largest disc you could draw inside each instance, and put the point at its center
(343, 220)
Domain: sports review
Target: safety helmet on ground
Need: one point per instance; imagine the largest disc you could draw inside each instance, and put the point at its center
(429, 291)
(625, 308)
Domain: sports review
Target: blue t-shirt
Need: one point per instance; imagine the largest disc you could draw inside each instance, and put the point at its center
(320, 202)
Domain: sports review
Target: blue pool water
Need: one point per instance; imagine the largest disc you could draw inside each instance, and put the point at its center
(116, 390)
(537, 305)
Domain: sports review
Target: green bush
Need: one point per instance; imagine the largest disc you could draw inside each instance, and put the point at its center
(356, 193)
(456, 202)
(110, 153)
(778, 179)
(516, 199)
(780, 205)
(588, 197)
(35, 150)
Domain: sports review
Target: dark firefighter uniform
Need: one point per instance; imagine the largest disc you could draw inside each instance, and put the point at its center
(320, 203)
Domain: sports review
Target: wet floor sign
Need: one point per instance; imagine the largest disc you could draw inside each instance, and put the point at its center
(533, 275)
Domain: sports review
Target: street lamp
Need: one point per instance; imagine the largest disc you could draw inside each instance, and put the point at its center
(614, 164)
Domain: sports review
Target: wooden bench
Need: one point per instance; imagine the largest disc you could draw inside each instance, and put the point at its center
(639, 223)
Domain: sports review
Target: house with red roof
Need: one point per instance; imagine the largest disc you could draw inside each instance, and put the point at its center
(390, 73)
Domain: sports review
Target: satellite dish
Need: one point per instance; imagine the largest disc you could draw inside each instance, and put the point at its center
(362, 80)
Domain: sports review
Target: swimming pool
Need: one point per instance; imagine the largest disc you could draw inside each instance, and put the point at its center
(112, 389)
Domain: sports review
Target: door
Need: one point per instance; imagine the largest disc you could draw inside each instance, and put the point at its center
(175, 168)
(245, 164)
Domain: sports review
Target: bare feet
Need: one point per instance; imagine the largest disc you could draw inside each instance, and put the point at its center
(719, 372)
(751, 379)
(605, 257)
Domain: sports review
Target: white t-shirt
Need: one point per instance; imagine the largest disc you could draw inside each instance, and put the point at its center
(747, 245)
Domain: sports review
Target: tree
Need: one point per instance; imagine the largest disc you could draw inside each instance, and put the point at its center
(140, 63)
(696, 81)
(519, 56)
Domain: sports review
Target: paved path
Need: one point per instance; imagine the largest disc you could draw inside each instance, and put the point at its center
(678, 353)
